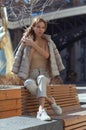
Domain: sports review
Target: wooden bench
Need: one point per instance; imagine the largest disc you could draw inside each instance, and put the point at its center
(74, 116)
(10, 101)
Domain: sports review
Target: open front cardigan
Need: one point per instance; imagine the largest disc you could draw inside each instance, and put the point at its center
(21, 64)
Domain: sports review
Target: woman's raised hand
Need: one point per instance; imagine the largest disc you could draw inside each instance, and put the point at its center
(27, 41)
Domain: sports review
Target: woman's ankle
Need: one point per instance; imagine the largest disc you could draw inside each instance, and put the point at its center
(51, 100)
(41, 107)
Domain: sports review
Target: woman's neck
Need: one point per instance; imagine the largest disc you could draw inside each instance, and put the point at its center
(38, 38)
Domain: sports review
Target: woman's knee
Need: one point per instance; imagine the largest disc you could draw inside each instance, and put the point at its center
(30, 84)
(43, 78)
(42, 84)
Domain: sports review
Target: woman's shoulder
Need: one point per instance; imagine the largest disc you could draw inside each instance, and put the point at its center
(47, 37)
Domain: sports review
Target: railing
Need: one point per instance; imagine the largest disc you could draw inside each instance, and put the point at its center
(21, 10)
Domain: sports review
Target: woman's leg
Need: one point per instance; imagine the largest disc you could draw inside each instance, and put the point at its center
(30, 84)
(42, 95)
(42, 82)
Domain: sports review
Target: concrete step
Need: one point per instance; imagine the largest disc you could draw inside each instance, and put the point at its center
(82, 94)
(29, 123)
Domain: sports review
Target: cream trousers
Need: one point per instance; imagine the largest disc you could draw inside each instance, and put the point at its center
(37, 82)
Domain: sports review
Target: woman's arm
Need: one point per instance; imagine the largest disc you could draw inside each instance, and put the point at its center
(42, 51)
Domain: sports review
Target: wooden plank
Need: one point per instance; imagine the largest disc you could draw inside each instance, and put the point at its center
(10, 94)
(77, 126)
(10, 104)
(72, 122)
(63, 101)
(81, 128)
(15, 112)
(74, 119)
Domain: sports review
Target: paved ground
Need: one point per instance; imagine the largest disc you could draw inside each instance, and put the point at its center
(82, 94)
(29, 123)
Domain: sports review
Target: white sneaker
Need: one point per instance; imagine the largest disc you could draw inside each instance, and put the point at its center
(56, 108)
(42, 115)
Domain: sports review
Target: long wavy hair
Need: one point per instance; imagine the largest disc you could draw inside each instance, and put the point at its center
(29, 31)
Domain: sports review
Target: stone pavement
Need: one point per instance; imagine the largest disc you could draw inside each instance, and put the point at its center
(29, 123)
(82, 94)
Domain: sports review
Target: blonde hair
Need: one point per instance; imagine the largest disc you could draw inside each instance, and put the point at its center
(29, 31)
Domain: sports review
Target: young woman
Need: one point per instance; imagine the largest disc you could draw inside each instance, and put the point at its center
(37, 61)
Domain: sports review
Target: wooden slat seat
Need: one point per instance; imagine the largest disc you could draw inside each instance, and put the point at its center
(73, 116)
(10, 102)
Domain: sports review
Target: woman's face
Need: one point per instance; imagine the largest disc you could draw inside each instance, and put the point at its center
(39, 29)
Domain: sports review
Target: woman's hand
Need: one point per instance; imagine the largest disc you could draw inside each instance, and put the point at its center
(27, 41)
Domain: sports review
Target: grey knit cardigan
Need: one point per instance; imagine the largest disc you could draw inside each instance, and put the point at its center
(21, 65)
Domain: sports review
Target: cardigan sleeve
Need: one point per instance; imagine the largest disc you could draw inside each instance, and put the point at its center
(17, 59)
(58, 58)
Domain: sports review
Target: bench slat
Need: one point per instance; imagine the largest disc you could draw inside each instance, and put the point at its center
(10, 104)
(74, 119)
(10, 113)
(79, 126)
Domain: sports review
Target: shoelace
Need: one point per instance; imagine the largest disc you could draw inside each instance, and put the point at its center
(40, 113)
